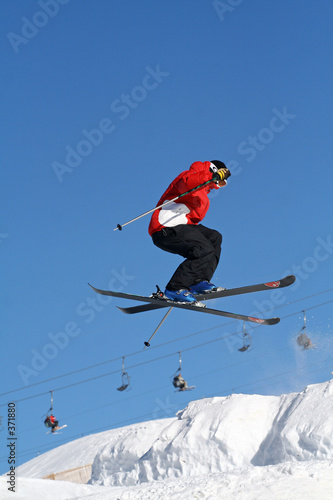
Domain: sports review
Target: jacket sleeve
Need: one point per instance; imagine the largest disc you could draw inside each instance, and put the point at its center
(198, 173)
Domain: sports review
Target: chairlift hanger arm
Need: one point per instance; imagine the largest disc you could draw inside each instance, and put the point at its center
(304, 322)
(51, 407)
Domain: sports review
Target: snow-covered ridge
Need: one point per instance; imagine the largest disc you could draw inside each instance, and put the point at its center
(208, 443)
(218, 434)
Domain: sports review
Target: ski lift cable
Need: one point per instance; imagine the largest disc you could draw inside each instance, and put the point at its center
(219, 393)
(74, 372)
(327, 360)
(152, 360)
(225, 367)
(308, 309)
(118, 358)
(116, 371)
(138, 364)
(30, 450)
(161, 345)
(71, 438)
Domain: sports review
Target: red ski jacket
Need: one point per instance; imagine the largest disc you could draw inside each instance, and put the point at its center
(189, 209)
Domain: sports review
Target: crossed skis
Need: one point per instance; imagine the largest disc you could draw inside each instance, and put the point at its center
(155, 302)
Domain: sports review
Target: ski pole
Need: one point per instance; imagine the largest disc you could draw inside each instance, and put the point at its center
(120, 226)
(147, 344)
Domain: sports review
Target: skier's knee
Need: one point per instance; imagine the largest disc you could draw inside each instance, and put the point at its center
(216, 238)
(199, 251)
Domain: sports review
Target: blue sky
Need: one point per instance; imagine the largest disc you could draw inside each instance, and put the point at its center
(104, 104)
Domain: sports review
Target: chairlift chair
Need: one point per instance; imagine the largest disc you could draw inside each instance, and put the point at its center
(46, 418)
(177, 379)
(247, 340)
(302, 339)
(125, 378)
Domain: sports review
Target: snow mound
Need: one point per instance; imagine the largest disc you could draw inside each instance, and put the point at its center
(218, 434)
(240, 446)
(302, 428)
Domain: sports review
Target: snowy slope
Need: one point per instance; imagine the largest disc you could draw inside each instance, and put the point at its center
(134, 440)
(218, 434)
(210, 435)
(292, 481)
(240, 446)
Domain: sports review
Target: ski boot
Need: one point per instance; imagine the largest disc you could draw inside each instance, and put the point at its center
(181, 295)
(205, 287)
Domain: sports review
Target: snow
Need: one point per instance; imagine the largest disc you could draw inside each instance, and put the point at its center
(126, 442)
(240, 446)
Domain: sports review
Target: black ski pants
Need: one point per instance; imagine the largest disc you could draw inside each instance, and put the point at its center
(201, 248)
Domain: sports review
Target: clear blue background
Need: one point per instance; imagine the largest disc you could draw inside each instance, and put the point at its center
(224, 74)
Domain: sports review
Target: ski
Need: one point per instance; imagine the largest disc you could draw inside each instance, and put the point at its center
(282, 283)
(189, 388)
(181, 305)
(57, 429)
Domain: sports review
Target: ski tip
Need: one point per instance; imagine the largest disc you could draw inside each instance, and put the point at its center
(97, 290)
(260, 321)
(123, 309)
(93, 288)
(288, 280)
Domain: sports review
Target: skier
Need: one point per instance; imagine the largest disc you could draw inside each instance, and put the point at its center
(51, 421)
(304, 341)
(179, 382)
(175, 228)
